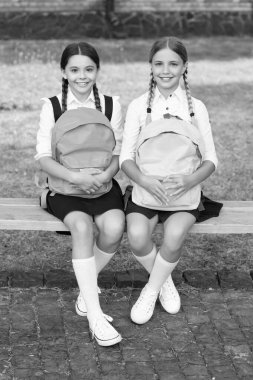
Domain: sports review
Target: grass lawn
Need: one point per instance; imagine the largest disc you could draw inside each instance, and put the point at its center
(220, 73)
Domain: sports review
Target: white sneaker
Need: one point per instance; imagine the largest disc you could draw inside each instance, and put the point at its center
(80, 305)
(143, 308)
(169, 297)
(104, 333)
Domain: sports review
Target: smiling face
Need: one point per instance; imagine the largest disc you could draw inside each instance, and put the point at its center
(81, 73)
(167, 67)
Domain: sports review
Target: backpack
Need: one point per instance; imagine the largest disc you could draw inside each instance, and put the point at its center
(165, 147)
(82, 140)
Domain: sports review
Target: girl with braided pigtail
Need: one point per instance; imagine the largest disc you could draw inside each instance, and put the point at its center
(80, 65)
(158, 193)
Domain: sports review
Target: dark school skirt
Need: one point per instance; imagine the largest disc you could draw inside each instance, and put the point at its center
(207, 208)
(60, 205)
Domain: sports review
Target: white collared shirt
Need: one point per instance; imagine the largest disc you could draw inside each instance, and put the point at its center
(47, 122)
(176, 104)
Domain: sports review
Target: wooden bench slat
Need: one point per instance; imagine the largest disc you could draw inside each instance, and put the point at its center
(25, 214)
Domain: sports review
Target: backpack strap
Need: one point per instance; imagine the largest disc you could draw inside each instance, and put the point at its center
(108, 107)
(56, 107)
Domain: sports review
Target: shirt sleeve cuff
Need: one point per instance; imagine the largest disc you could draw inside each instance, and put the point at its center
(40, 155)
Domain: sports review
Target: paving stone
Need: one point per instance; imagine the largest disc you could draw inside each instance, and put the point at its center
(113, 376)
(177, 277)
(4, 279)
(218, 311)
(50, 317)
(169, 366)
(47, 296)
(196, 315)
(131, 355)
(216, 360)
(195, 370)
(23, 324)
(172, 376)
(239, 351)
(244, 369)
(248, 333)
(59, 278)
(244, 310)
(212, 297)
(56, 376)
(4, 334)
(162, 353)
(26, 357)
(139, 368)
(237, 296)
(201, 278)
(193, 358)
(205, 333)
(191, 299)
(110, 354)
(54, 355)
(135, 278)
(235, 279)
(26, 279)
(176, 322)
(4, 361)
(74, 324)
(142, 377)
(23, 296)
(123, 279)
(28, 374)
(245, 321)
(183, 346)
(227, 371)
(106, 279)
(4, 296)
(80, 370)
(112, 368)
(227, 324)
(43, 338)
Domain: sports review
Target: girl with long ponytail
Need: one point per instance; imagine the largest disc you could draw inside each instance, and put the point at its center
(168, 97)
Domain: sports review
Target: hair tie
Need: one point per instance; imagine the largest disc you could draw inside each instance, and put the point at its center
(148, 110)
(192, 114)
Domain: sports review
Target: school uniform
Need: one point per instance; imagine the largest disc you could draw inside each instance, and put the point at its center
(177, 105)
(60, 205)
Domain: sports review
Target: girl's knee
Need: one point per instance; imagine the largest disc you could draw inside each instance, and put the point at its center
(174, 240)
(138, 236)
(81, 227)
(113, 229)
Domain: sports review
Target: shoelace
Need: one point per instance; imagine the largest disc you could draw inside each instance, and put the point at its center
(170, 287)
(107, 317)
(152, 297)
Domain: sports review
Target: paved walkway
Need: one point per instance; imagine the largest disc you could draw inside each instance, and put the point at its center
(41, 337)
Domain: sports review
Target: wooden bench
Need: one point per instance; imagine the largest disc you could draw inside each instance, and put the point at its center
(236, 217)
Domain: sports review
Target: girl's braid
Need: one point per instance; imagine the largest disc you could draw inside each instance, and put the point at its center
(150, 97)
(97, 99)
(188, 94)
(65, 84)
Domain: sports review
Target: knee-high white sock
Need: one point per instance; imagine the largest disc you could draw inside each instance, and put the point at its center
(148, 260)
(86, 275)
(160, 272)
(102, 258)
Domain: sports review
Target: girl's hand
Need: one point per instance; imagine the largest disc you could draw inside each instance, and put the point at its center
(177, 184)
(103, 177)
(87, 182)
(155, 188)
